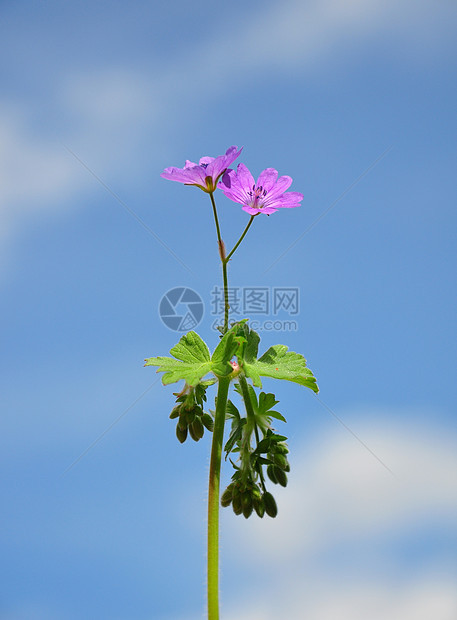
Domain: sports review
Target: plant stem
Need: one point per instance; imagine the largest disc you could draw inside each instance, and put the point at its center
(224, 261)
(216, 219)
(213, 499)
(241, 238)
(250, 415)
(218, 438)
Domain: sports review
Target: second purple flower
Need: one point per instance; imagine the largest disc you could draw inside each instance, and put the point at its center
(266, 196)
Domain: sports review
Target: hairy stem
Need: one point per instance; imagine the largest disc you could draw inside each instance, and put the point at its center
(224, 261)
(218, 438)
(241, 238)
(250, 416)
(213, 499)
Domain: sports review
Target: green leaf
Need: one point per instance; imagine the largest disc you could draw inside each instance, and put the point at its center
(266, 402)
(229, 346)
(235, 435)
(232, 411)
(279, 363)
(252, 344)
(191, 364)
(222, 355)
(276, 415)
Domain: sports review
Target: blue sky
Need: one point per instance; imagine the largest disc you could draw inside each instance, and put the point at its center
(354, 100)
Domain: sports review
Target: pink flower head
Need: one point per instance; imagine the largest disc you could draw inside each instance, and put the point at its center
(266, 196)
(206, 173)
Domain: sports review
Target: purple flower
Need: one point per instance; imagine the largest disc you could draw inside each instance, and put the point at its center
(266, 196)
(206, 173)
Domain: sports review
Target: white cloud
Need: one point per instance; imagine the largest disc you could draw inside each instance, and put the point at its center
(32, 169)
(415, 600)
(339, 493)
(335, 550)
(105, 116)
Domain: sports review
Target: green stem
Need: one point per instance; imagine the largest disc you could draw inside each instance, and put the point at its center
(241, 238)
(216, 219)
(213, 499)
(218, 438)
(224, 261)
(250, 416)
(226, 301)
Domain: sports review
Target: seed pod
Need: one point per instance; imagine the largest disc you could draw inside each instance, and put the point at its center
(237, 505)
(246, 502)
(281, 448)
(190, 417)
(259, 507)
(226, 498)
(208, 421)
(270, 505)
(255, 493)
(196, 429)
(280, 460)
(181, 433)
(235, 490)
(175, 413)
(281, 476)
(271, 473)
(182, 422)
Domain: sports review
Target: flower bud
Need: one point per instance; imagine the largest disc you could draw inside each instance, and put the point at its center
(246, 502)
(208, 421)
(259, 507)
(190, 417)
(255, 493)
(280, 460)
(226, 498)
(270, 505)
(281, 476)
(175, 413)
(271, 473)
(237, 505)
(182, 422)
(181, 433)
(196, 429)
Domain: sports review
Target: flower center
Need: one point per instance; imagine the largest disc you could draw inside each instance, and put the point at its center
(257, 194)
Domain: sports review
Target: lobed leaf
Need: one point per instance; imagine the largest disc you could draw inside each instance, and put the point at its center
(279, 363)
(191, 364)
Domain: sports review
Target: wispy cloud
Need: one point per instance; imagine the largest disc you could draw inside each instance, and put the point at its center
(106, 115)
(338, 494)
(414, 599)
(342, 509)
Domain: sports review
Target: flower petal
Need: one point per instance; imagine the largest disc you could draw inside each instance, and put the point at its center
(254, 211)
(175, 174)
(282, 184)
(205, 160)
(287, 200)
(196, 174)
(267, 178)
(233, 189)
(291, 199)
(221, 163)
(244, 177)
(191, 176)
(231, 154)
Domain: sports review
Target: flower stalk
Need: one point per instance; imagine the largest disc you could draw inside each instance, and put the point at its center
(192, 361)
